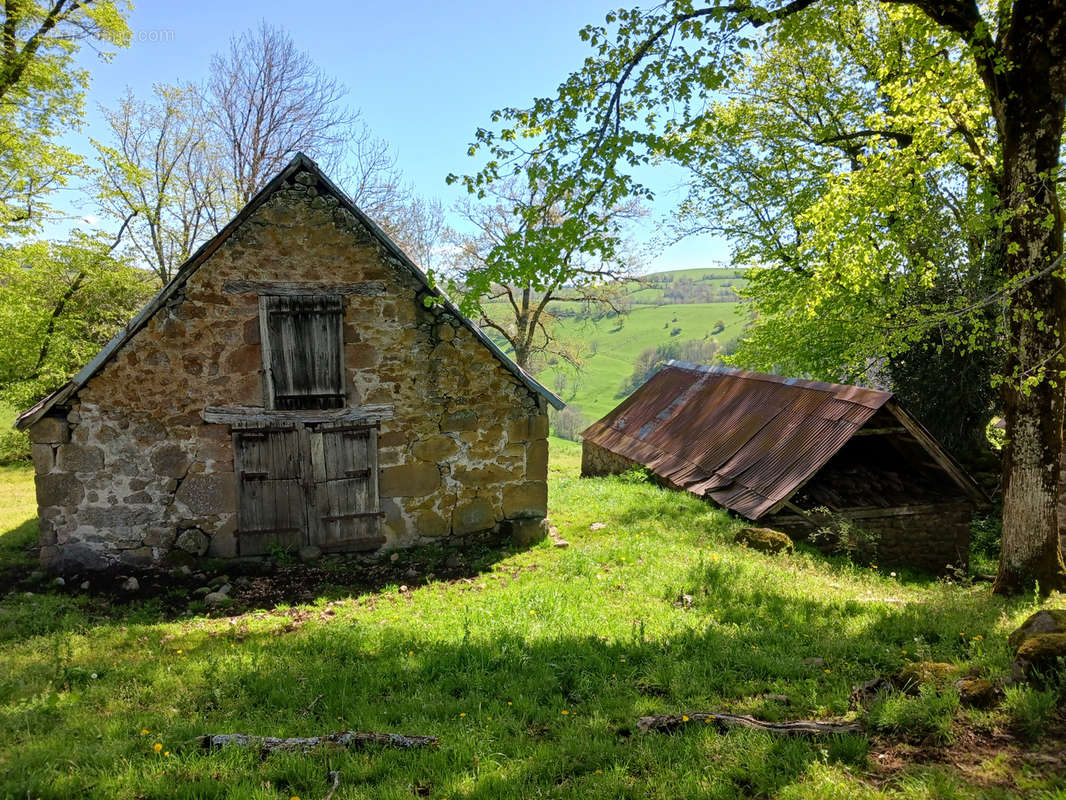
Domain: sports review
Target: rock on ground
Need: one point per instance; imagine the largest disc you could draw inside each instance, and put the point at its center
(1050, 621)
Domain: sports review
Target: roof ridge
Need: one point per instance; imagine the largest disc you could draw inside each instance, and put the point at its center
(202, 253)
(719, 369)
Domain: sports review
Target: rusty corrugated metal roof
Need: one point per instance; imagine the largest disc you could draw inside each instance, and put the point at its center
(743, 439)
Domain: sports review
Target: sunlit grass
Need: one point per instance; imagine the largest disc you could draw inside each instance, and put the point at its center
(532, 673)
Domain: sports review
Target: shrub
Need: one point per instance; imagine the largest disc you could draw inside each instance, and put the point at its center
(636, 475)
(842, 536)
(928, 716)
(1031, 710)
(14, 445)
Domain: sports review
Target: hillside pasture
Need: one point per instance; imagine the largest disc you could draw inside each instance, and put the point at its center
(610, 346)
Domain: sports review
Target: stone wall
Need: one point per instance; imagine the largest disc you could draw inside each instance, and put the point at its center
(597, 461)
(932, 537)
(132, 474)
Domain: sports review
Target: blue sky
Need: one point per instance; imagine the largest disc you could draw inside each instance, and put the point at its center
(424, 75)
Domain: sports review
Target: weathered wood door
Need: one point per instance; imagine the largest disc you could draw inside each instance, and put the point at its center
(344, 466)
(272, 472)
(307, 486)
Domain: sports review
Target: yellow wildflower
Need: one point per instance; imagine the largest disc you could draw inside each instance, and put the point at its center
(157, 747)
(144, 731)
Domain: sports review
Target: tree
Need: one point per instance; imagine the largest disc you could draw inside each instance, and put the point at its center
(606, 120)
(162, 176)
(858, 168)
(525, 284)
(42, 97)
(186, 161)
(59, 304)
(268, 99)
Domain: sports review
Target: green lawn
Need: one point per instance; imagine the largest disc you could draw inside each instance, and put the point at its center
(532, 673)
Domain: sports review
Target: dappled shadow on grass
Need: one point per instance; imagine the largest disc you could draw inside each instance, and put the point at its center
(18, 554)
(516, 716)
(656, 613)
(521, 711)
(165, 595)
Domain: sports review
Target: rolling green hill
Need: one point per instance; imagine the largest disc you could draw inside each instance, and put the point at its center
(611, 345)
(672, 285)
(670, 306)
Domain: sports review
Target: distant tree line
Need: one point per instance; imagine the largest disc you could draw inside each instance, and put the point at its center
(694, 351)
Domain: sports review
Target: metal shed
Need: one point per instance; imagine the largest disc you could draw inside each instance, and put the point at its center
(793, 453)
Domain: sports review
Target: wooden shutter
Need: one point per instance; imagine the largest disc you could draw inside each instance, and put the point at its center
(345, 468)
(272, 504)
(304, 350)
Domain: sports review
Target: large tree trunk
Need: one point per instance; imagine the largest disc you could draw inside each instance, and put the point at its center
(1030, 121)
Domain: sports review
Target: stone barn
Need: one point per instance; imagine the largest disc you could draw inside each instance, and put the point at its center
(795, 455)
(299, 383)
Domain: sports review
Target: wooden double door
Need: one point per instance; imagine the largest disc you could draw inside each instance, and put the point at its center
(304, 485)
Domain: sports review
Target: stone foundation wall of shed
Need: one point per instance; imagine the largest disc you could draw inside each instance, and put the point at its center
(133, 475)
(935, 539)
(597, 461)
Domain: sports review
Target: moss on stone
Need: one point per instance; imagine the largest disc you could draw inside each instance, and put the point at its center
(1040, 658)
(976, 692)
(765, 540)
(1049, 621)
(910, 677)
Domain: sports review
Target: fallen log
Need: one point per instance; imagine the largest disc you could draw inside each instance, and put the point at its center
(668, 723)
(352, 739)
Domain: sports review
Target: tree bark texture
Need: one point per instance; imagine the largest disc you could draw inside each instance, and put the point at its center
(1031, 109)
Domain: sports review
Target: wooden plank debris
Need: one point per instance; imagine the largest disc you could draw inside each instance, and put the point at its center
(668, 723)
(355, 740)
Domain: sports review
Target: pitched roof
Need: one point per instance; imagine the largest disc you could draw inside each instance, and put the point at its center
(300, 162)
(746, 440)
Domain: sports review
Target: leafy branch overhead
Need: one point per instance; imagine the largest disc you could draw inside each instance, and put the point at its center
(42, 97)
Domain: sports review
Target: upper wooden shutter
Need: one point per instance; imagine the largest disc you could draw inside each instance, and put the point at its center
(303, 341)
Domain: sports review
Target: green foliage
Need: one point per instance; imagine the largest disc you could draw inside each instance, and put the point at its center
(59, 304)
(42, 97)
(652, 359)
(843, 535)
(926, 716)
(568, 423)
(14, 445)
(636, 475)
(985, 534)
(1031, 710)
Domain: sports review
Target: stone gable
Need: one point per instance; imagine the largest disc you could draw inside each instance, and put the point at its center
(133, 464)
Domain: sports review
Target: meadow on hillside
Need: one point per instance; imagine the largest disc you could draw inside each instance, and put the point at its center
(532, 669)
(608, 346)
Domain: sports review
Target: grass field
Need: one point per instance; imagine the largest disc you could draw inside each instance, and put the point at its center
(611, 347)
(533, 673)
